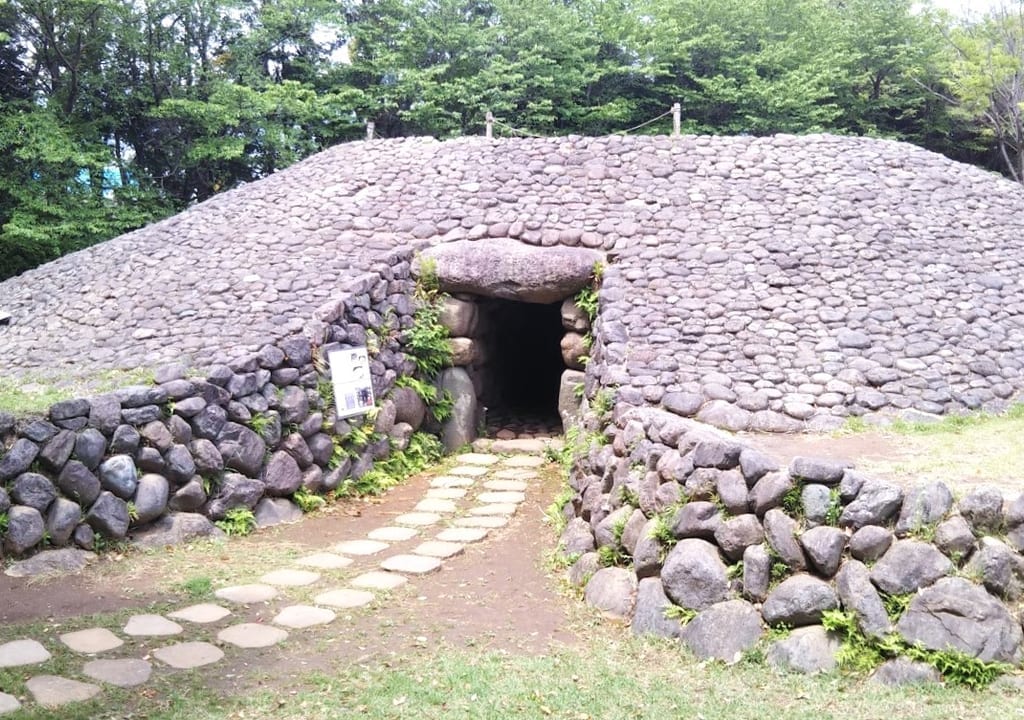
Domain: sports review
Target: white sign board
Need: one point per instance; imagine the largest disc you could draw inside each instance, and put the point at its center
(350, 376)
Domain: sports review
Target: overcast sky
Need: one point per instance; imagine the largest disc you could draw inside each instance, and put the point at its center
(967, 7)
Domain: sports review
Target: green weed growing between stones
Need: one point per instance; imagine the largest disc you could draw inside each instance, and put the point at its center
(860, 653)
(896, 605)
(4, 523)
(680, 614)
(835, 507)
(612, 556)
(308, 501)
(422, 451)
(793, 502)
(197, 587)
(237, 522)
(554, 512)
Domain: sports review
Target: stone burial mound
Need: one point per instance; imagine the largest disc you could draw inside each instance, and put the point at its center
(690, 534)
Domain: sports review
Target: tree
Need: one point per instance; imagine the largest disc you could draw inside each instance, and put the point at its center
(987, 81)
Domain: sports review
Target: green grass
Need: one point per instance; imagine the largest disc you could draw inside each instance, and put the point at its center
(34, 394)
(977, 447)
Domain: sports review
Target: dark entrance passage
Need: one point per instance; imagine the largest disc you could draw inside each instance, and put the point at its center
(523, 360)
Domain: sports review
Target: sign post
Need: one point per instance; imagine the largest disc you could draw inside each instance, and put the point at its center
(350, 376)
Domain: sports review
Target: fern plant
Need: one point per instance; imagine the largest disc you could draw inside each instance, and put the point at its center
(237, 521)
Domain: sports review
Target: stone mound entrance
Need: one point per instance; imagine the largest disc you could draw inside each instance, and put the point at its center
(516, 332)
(522, 344)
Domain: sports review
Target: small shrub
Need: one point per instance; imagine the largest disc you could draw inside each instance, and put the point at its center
(734, 571)
(197, 587)
(793, 502)
(612, 556)
(586, 300)
(677, 612)
(260, 423)
(308, 501)
(237, 521)
(835, 507)
(629, 497)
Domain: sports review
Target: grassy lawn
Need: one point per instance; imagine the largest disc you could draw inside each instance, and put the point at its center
(33, 395)
(977, 448)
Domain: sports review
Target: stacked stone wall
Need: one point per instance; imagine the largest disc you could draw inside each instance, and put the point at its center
(159, 462)
(706, 523)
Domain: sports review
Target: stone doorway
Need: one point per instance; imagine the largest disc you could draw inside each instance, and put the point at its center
(521, 343)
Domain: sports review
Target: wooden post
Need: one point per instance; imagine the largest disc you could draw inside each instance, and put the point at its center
(370, 125)
(489, 132)
(676, 123)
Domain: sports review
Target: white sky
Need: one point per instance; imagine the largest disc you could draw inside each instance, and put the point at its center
(964, 8)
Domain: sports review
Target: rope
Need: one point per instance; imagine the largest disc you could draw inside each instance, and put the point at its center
(524, 133)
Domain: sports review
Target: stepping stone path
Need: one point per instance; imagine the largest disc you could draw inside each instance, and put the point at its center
(127, 672)
(252, 635)
(150, 625)
(188, 655)
(201, 614)
(22, 652)
(92, 641)
(482, 493)
(290, 578)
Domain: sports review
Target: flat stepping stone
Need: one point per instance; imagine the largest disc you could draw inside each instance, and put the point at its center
(127, 672)
(447, 481)
(393, 534)
(462, 535)
(252, 635)
(52, 691)
(344, 598)
(506, 485)
(411, 564)
(377, 580)
(246, 594)
(8, 703)
(516, 474)
(324, 561)
(91, 641)
(522, 445)
(22, 652)
(468, 470)
(290, 578)
(489, 522)
(523, 461)
(508, 509)
(477, 459)
(151, 625)
(431, 505)
(445, 493)
(184, 656)
(501, 497)
(298, 617)
(361, 547)
(201, 614)
(418, 519)
(439, 549)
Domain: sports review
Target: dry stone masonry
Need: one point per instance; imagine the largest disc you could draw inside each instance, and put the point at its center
(705, 523)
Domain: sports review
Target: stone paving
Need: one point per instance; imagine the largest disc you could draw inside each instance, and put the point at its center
(491, 488)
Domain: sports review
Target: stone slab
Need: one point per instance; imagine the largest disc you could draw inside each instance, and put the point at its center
(439, 549)
(252, 635)
(506, 485)
(201, 614)
(52, 691)
(344, 598)
(8, 703)
(298, 617)
(506, 509)
(501, 497)
(22, 652)
(447, 481)
(187, 655)
(360, 547)
(151, 625)
(324, 561)
(91, 641)
(523, 461)
(411, 564)
(516, 474)
(246, 594)
(484, 459)
(462, 535)
(523, 445)
(431, 505)
(377, 580)
(290, 578)
(418, 519)
(490, 522)
(468, 471)
(445, 493)
(393, 534)
(65, 561)
(123, 672)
